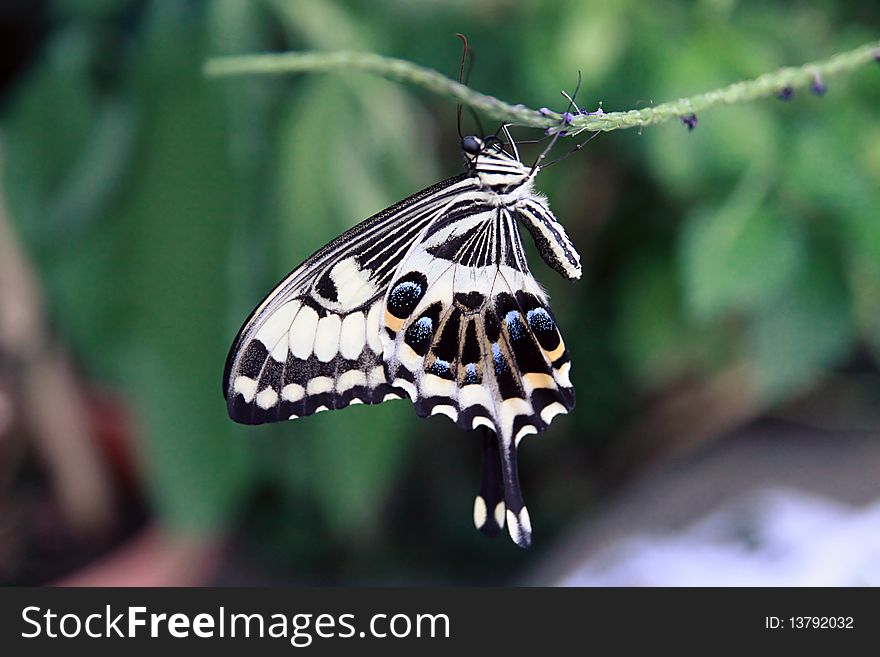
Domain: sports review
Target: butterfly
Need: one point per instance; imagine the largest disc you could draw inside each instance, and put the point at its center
(432, 300)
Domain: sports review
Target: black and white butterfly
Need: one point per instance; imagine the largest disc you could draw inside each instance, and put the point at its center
(431, 299)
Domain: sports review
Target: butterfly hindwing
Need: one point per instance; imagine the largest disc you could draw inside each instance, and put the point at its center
(468, 334)
(489, 507)
(550, 237)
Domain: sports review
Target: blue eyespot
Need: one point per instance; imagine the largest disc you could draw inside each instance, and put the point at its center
(422, 328)
(514, 326)
(540, 320)
(407, 288)
(498, 357)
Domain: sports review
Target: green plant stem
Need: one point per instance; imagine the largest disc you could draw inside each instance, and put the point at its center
(399, 70)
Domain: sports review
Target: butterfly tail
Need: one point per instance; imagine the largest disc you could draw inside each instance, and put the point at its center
(489, 506)
(519, 525)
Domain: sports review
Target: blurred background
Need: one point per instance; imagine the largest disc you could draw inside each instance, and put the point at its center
(725, 336)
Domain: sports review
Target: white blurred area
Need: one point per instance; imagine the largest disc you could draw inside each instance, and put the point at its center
(774, 506)
(773, 538)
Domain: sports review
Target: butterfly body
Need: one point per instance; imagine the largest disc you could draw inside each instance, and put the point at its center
(431, 299)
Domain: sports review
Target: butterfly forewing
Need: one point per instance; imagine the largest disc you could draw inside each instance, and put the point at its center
(313, 343)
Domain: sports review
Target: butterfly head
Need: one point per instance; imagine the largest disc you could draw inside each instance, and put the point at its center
(472, 145)
(495, 167)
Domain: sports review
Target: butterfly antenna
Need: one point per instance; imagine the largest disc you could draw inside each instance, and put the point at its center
(573, 150)
(533, 141)
(464, 53)
(570, 99)
(460, 78)
(559, 131)
(543, 154)
(467, 54)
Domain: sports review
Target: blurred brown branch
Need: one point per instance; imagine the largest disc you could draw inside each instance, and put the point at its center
(45, 402)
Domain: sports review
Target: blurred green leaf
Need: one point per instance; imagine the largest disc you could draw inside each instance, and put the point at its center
(47, 129)
(863, 269)
(652, 332)
(722, 146)
(176, 215)
(739, 256)
(86, 8)
(792, 342)
(355, 459)
(590, 36)
(826, 176)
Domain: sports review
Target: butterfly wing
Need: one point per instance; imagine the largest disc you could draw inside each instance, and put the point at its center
(313, 343)
(468, 333)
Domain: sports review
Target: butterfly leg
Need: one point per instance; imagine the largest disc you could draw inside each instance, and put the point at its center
(519, 525)
(489, 507)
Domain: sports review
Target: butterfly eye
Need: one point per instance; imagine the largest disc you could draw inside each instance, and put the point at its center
(471, 145)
